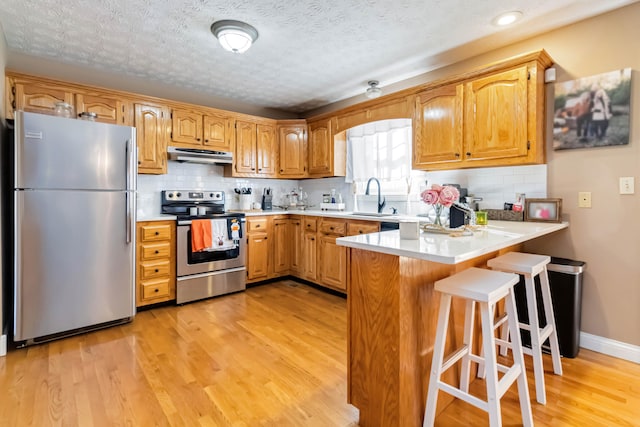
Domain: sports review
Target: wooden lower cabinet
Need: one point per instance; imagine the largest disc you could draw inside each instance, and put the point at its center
(332, 259)
(301, 246)
(258, 249)
(332, 262)
(295, 246)
(156, 262)
(281, 247)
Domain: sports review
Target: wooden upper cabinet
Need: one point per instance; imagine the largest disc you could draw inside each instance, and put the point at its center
(496, 115)
(438, 132)
(327, 153)
(502, 120)
(246, 143)
(186, 127)
(197, 129)
(108, 109)
(292, 143)
(255, 153)
(217, 132)
(320, 147)
(36, 98)
(151, 137)
(267, 150)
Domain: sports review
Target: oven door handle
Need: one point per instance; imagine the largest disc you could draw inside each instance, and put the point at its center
(188, 221)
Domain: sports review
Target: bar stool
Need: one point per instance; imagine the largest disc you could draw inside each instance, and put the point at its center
(531, 265)
(485, 287)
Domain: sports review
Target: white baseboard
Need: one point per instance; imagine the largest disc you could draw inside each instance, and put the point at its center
(610, 347)
(3, 345)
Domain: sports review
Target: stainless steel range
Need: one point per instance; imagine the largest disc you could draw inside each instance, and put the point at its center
(217, 266)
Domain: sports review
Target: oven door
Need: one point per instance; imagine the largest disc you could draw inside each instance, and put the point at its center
(189, 263)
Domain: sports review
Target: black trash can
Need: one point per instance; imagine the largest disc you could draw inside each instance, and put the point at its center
(565, 283)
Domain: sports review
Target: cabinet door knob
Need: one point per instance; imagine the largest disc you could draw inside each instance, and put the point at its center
(360, 231)
(281, 170)
(197, 139)
(206, 140)
(457, 154)
(313, 238)
(468, 153)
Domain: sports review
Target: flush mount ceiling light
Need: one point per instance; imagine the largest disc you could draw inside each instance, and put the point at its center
(507, 18)
(373, 91)
(234, 36)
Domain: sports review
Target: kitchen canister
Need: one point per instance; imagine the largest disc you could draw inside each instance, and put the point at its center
(245, 202)
(409, 230)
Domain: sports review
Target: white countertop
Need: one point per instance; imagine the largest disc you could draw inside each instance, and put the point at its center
(335, 214)
(445, 249)
(156, 217)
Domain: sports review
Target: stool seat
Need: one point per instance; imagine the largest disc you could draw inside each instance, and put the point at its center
(478, 284)
(530, 266)
(484, 288)
(521, 263)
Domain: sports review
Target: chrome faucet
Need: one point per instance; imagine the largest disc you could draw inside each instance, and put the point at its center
(380, 203)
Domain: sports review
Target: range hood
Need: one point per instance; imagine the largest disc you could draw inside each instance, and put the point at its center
(194, 155)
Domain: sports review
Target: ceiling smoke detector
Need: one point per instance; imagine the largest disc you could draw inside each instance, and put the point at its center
(373, 91)
(234, 36)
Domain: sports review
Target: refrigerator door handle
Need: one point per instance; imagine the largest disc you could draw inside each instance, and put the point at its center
(129, 159)
(129, 220)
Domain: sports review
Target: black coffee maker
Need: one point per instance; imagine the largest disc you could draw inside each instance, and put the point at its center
(458, 217)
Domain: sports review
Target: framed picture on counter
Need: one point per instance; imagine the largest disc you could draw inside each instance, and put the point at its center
(543, 210)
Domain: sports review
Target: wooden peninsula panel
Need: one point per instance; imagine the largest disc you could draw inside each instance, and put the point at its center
(392, 319)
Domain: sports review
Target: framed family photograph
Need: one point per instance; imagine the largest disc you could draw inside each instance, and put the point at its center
(543, 210)
(592, 111)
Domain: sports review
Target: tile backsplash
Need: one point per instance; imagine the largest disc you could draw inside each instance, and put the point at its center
(494, 185)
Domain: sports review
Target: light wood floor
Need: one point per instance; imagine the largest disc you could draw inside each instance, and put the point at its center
(274, 355)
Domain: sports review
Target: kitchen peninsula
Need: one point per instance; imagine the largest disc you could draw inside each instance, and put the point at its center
(392, 312)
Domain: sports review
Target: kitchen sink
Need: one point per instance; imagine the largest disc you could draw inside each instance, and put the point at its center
(373, 214)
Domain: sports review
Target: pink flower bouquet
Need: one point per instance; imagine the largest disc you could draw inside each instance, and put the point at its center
(439, 195)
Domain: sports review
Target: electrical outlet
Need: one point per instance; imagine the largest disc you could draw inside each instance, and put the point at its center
(626, 185)
(584, 199)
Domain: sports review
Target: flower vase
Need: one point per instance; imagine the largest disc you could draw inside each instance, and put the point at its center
(438, 219)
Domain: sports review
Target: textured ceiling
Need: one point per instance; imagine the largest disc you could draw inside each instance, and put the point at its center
(309, 52)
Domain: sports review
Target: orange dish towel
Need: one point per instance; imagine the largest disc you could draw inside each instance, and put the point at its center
(200, 234)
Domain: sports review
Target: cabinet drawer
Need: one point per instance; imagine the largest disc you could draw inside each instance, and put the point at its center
(256, 224)
(362, 227)
(155, 288)
(309, 224)
(151, 270)
(155, 232)
(332, 226)
(149, 251)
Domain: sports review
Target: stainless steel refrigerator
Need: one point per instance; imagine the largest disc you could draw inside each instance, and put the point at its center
(74, 225)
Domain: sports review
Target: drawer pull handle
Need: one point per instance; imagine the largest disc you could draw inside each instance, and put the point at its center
(157, 233)
(360, 231)
(156, 290)
(157, 251)
(157, 271)
(313, 238)
(331, 228)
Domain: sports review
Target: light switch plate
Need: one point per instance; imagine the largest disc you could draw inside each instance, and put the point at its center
(584, 199)
(627, 185)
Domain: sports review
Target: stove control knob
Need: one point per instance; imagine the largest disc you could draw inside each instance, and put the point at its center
(211, 195)
(178, 194)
